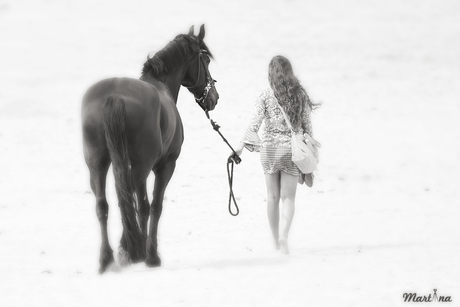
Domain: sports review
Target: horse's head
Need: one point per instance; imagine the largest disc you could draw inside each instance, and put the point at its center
(197, 77)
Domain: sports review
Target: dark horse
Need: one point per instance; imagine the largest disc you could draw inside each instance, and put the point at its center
(135, 125)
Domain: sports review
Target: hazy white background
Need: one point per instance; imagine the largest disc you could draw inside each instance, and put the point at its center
(381, 220)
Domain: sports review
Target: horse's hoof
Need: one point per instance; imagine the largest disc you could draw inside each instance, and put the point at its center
(103, 268)
(106, 260)
(153, 261)
(123, 257)
(105, 265)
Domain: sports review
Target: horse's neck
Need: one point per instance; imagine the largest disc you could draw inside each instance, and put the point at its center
(172, 81)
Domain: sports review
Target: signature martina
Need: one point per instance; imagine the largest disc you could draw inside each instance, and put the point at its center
(414, 297)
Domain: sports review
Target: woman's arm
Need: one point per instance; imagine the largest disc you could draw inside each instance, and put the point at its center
(251, 140)
(239, 148)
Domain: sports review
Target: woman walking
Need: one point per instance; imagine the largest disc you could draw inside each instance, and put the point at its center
(281, 174)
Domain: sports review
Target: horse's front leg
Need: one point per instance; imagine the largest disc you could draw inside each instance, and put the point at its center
(162, 177)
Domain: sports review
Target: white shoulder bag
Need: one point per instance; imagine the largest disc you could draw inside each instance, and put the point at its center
(304, 154)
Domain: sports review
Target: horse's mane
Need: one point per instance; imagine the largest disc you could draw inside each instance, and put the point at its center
(178, 51)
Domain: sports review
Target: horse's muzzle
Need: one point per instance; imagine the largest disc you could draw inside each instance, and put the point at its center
(212, 99)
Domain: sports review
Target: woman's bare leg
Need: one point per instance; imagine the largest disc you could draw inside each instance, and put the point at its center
(288, 184)
(273, 200)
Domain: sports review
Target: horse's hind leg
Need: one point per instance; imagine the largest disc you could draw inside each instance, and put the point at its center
(139, 174)
(98, 177)
(143, 217)
(162, 177)
(144, 207)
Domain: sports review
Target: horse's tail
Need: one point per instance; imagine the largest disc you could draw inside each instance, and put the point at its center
(114, 127)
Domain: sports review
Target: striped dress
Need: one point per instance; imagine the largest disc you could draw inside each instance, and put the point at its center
(275, 145)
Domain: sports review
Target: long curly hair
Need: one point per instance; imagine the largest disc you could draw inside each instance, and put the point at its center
(287, 89)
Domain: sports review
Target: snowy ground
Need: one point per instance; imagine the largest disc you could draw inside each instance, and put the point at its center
(381, 220)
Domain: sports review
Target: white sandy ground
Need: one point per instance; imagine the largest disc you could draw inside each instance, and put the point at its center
(381, 220)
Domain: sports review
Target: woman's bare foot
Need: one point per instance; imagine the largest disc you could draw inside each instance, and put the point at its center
(277, 244)
(283, 245)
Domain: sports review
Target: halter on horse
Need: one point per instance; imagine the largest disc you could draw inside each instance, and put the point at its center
(209, 84)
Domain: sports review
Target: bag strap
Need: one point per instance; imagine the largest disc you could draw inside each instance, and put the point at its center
(288, 122)
(309, 139)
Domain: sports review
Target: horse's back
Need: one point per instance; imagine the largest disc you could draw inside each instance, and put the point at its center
(136, 93)
(152, 123)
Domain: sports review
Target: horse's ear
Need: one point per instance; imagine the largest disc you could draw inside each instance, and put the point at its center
(201, 35)
(191, 31)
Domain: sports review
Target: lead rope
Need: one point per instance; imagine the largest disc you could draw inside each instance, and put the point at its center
(232, 159)
(231, 196)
